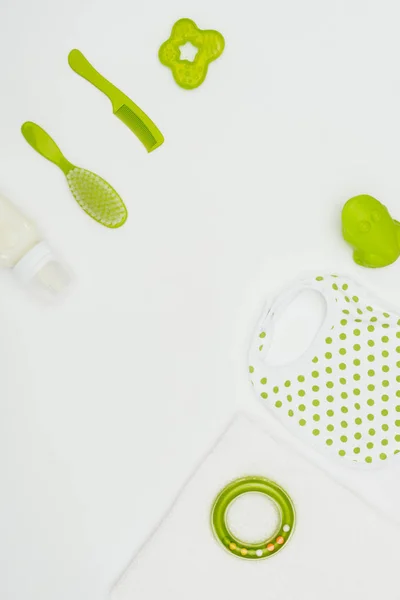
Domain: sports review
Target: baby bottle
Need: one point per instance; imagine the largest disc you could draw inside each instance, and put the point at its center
(23, 250)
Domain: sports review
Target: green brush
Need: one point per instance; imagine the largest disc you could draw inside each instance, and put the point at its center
(94, 195)
(123, 107)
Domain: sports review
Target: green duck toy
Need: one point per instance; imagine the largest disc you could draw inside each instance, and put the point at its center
(368, 227)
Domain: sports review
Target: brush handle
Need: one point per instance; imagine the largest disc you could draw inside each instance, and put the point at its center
(45, 145)
(82, 66)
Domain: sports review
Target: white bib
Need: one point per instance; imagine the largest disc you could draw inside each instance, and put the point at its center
(343, 393)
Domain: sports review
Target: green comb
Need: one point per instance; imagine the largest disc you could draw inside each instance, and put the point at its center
(94, 195)
(123, 107)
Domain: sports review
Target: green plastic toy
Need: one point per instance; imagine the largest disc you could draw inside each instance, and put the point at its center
(94, 195)
(123, 107)
(265, 548)
(373, 233)
(209, 44)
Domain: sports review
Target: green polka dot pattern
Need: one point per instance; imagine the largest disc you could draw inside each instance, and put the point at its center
(346, 387)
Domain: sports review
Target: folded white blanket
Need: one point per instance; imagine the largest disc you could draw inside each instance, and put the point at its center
(341, 547)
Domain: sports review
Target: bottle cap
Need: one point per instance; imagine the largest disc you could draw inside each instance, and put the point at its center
(40, 267)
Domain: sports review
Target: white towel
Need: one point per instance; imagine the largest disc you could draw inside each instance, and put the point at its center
(340, 548)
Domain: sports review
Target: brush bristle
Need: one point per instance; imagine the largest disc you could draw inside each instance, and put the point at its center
(97, 198)
(138, 127)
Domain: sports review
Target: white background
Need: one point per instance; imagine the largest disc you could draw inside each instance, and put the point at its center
(108, 401)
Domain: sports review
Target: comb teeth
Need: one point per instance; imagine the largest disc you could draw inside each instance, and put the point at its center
(139, 128)
(97, 198)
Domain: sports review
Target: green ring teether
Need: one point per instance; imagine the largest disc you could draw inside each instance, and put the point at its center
(268, 547)
(209, 43)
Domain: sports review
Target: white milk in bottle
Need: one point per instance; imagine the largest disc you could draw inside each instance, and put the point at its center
(23, 250)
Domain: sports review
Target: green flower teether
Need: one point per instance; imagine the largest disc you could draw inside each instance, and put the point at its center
(209, 44)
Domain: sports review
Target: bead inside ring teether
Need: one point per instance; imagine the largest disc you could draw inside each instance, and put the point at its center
(208, 43)
(268, 547)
